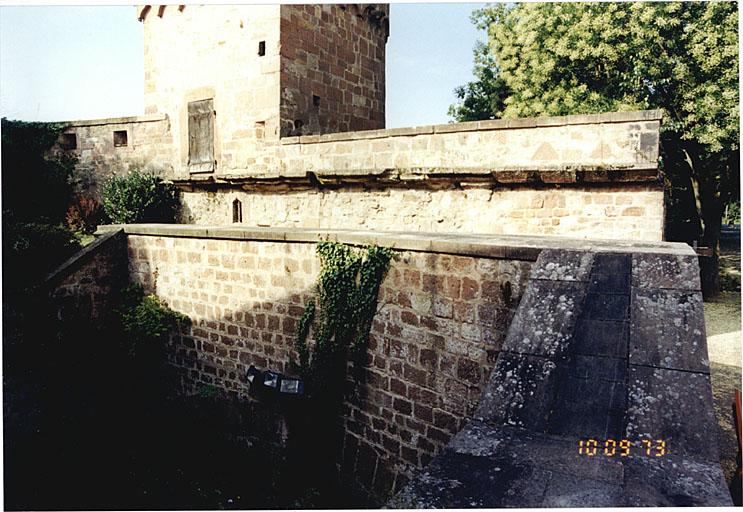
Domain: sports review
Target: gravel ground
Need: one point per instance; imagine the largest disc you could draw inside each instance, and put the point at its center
(723, 322)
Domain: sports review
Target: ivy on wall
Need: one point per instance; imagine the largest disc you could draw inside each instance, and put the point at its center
(340, 315)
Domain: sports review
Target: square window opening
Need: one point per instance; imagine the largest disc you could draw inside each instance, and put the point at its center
(120, 138)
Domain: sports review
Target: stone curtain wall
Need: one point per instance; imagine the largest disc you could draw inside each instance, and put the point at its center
(148, 147)
(589, 176)
(631, 212)
(441, 322)
(336, 54)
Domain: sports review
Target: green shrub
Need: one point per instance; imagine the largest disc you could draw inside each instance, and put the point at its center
(139, 197)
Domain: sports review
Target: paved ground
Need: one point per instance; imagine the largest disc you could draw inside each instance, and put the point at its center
(723, 321)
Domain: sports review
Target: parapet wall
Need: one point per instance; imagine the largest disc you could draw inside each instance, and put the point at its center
(593, 176)
(444, 309)
(582, 176)
(102, 154)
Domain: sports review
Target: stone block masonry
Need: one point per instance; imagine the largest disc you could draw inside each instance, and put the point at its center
(81, 289)
(582, 176)
(591, 399)
(586, 176)
(110, 147)
(441, 321)
(444, 309)
(332, 68)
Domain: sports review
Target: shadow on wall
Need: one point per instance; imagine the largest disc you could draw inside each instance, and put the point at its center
(440, 322)
(434, 341)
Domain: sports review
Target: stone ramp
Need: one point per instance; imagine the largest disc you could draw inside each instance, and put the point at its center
(607, 349)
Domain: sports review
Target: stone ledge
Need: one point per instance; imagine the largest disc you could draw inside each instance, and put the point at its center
(510, 247)
(494, 124)
(150, 118)
(547, 174)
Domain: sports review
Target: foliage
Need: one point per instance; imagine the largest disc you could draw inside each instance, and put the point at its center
(484, 97)
(139, 197)
(146, 320)
(590, 57)
(342, 313)
(567, 58)
(35, 181)
(84, 215)
(732, 213)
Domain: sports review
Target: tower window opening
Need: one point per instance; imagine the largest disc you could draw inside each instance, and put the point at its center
(237, 211)
(262, 48)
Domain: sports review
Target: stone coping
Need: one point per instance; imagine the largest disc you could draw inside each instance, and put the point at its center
(83, 253)
(493, 124)
(567, 174)
(513, 247)
(150, 118)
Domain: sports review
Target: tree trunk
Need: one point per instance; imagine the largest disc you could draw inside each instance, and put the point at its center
(710, 212)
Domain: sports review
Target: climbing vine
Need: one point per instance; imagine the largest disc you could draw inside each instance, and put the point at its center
(341, 313)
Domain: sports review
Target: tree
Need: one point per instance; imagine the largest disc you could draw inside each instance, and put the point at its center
(581, 58)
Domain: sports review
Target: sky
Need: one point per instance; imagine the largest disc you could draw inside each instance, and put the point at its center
(60, 63)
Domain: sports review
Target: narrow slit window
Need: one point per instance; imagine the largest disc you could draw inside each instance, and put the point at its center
(120, 138)
(237, 211)
(261, 48)
(68, 141)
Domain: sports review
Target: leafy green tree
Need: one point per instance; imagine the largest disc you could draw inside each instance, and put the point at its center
(580, 58)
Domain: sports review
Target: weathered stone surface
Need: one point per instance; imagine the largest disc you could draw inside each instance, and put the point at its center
(545, 319)
(601, 338)
(561, 265)
(605, 306)
(535, 411)
(665, 271)
(673, 406)
(676, 482)
(667, 330)
(591, 399)
(520, 392)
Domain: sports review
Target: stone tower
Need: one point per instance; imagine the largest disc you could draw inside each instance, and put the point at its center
(232, 79)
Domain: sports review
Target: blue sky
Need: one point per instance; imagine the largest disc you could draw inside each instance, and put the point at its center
(77, 62)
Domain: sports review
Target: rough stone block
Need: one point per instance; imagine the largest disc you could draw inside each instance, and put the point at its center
(543, 324)
(668, 271)
(673, 406)
(521, 392)
(563, 265)
(667, 330)
(674, 482)
(601, 338)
